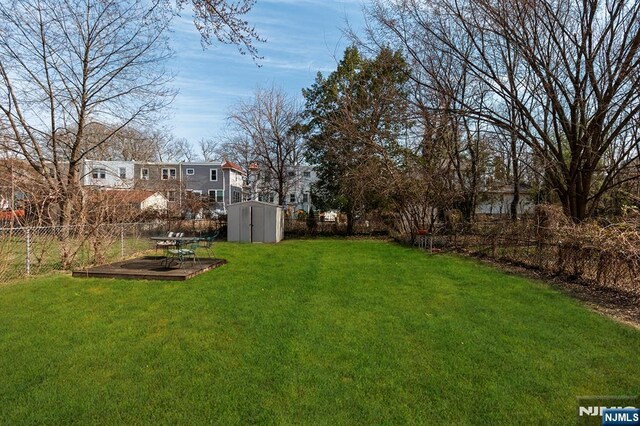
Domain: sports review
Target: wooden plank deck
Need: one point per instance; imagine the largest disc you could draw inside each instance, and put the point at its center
(150, 268)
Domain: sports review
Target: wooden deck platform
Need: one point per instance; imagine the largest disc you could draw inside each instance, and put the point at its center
(150, 268)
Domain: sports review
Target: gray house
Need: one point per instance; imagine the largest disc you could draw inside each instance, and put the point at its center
(165, 178)
(222, 184)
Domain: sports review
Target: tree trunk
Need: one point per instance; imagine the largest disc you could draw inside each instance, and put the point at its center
(515, 201)
(350, 221)
(68, 214)
(574, 203)
(516, 171)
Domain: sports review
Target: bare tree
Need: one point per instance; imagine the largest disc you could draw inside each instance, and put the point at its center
(65, 65)
(562, 77)
(208, 149)
(180, 149)
(128, 144)
(238, 149)
(269, 122)
(223, 20)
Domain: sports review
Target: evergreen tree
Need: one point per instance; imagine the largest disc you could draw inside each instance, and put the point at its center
(354, 118)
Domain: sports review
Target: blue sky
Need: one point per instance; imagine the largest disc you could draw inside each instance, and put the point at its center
(303, 37)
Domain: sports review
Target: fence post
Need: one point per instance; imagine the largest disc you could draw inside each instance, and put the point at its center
(122, 241)
(28, 257)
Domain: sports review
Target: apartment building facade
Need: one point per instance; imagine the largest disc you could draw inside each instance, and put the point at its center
(161, 177)
(220, 183)
(213, 185)
(299, 180)
(107, 174)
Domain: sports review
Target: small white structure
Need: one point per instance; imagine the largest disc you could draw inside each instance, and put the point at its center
(255, 222)
(136, 199)
(156, 201)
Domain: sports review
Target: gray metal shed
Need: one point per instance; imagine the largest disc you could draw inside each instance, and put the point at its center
(255, 222)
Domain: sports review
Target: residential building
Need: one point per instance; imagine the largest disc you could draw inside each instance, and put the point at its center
(165, 178)
(138, 200)
(221, 183)
(498, 201)
(299, 194)
(298, 188)
(107, 174)
(212, 185)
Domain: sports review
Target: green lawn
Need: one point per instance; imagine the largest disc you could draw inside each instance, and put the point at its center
(308, 331)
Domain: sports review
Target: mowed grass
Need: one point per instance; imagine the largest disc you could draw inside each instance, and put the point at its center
(308, 332)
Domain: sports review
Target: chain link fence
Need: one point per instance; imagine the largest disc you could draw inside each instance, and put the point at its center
(603, 256)
(364, 227)
(30, 251)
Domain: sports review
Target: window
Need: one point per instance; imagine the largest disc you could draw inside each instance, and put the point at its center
(213, 174)
(306, 174)
(236, 196)
(171, 195)
(99, 174)
(144, 174)
(168, 174)
(305, 198)
(197, 192)
(191, 172)
(266, 197)
(123, 173)
(292, 198)
(216, 195)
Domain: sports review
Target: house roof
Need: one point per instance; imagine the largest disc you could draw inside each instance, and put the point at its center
(128, 195)
(508, 189)
(234, 166)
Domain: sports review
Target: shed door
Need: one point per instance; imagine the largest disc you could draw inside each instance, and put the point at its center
(245, 224)
(257, 220)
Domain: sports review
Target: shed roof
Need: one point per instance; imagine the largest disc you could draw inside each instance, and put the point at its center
(253, 203)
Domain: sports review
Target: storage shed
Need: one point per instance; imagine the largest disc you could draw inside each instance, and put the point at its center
(255, 222)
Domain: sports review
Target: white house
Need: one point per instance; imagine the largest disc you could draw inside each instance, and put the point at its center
(498, 201)
(298, 188)
(136, 199)
(107, 174)
(299, 196)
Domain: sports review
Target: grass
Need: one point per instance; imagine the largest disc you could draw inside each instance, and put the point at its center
(315, 331)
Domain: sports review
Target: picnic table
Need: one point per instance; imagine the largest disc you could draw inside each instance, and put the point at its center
(174, 249)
